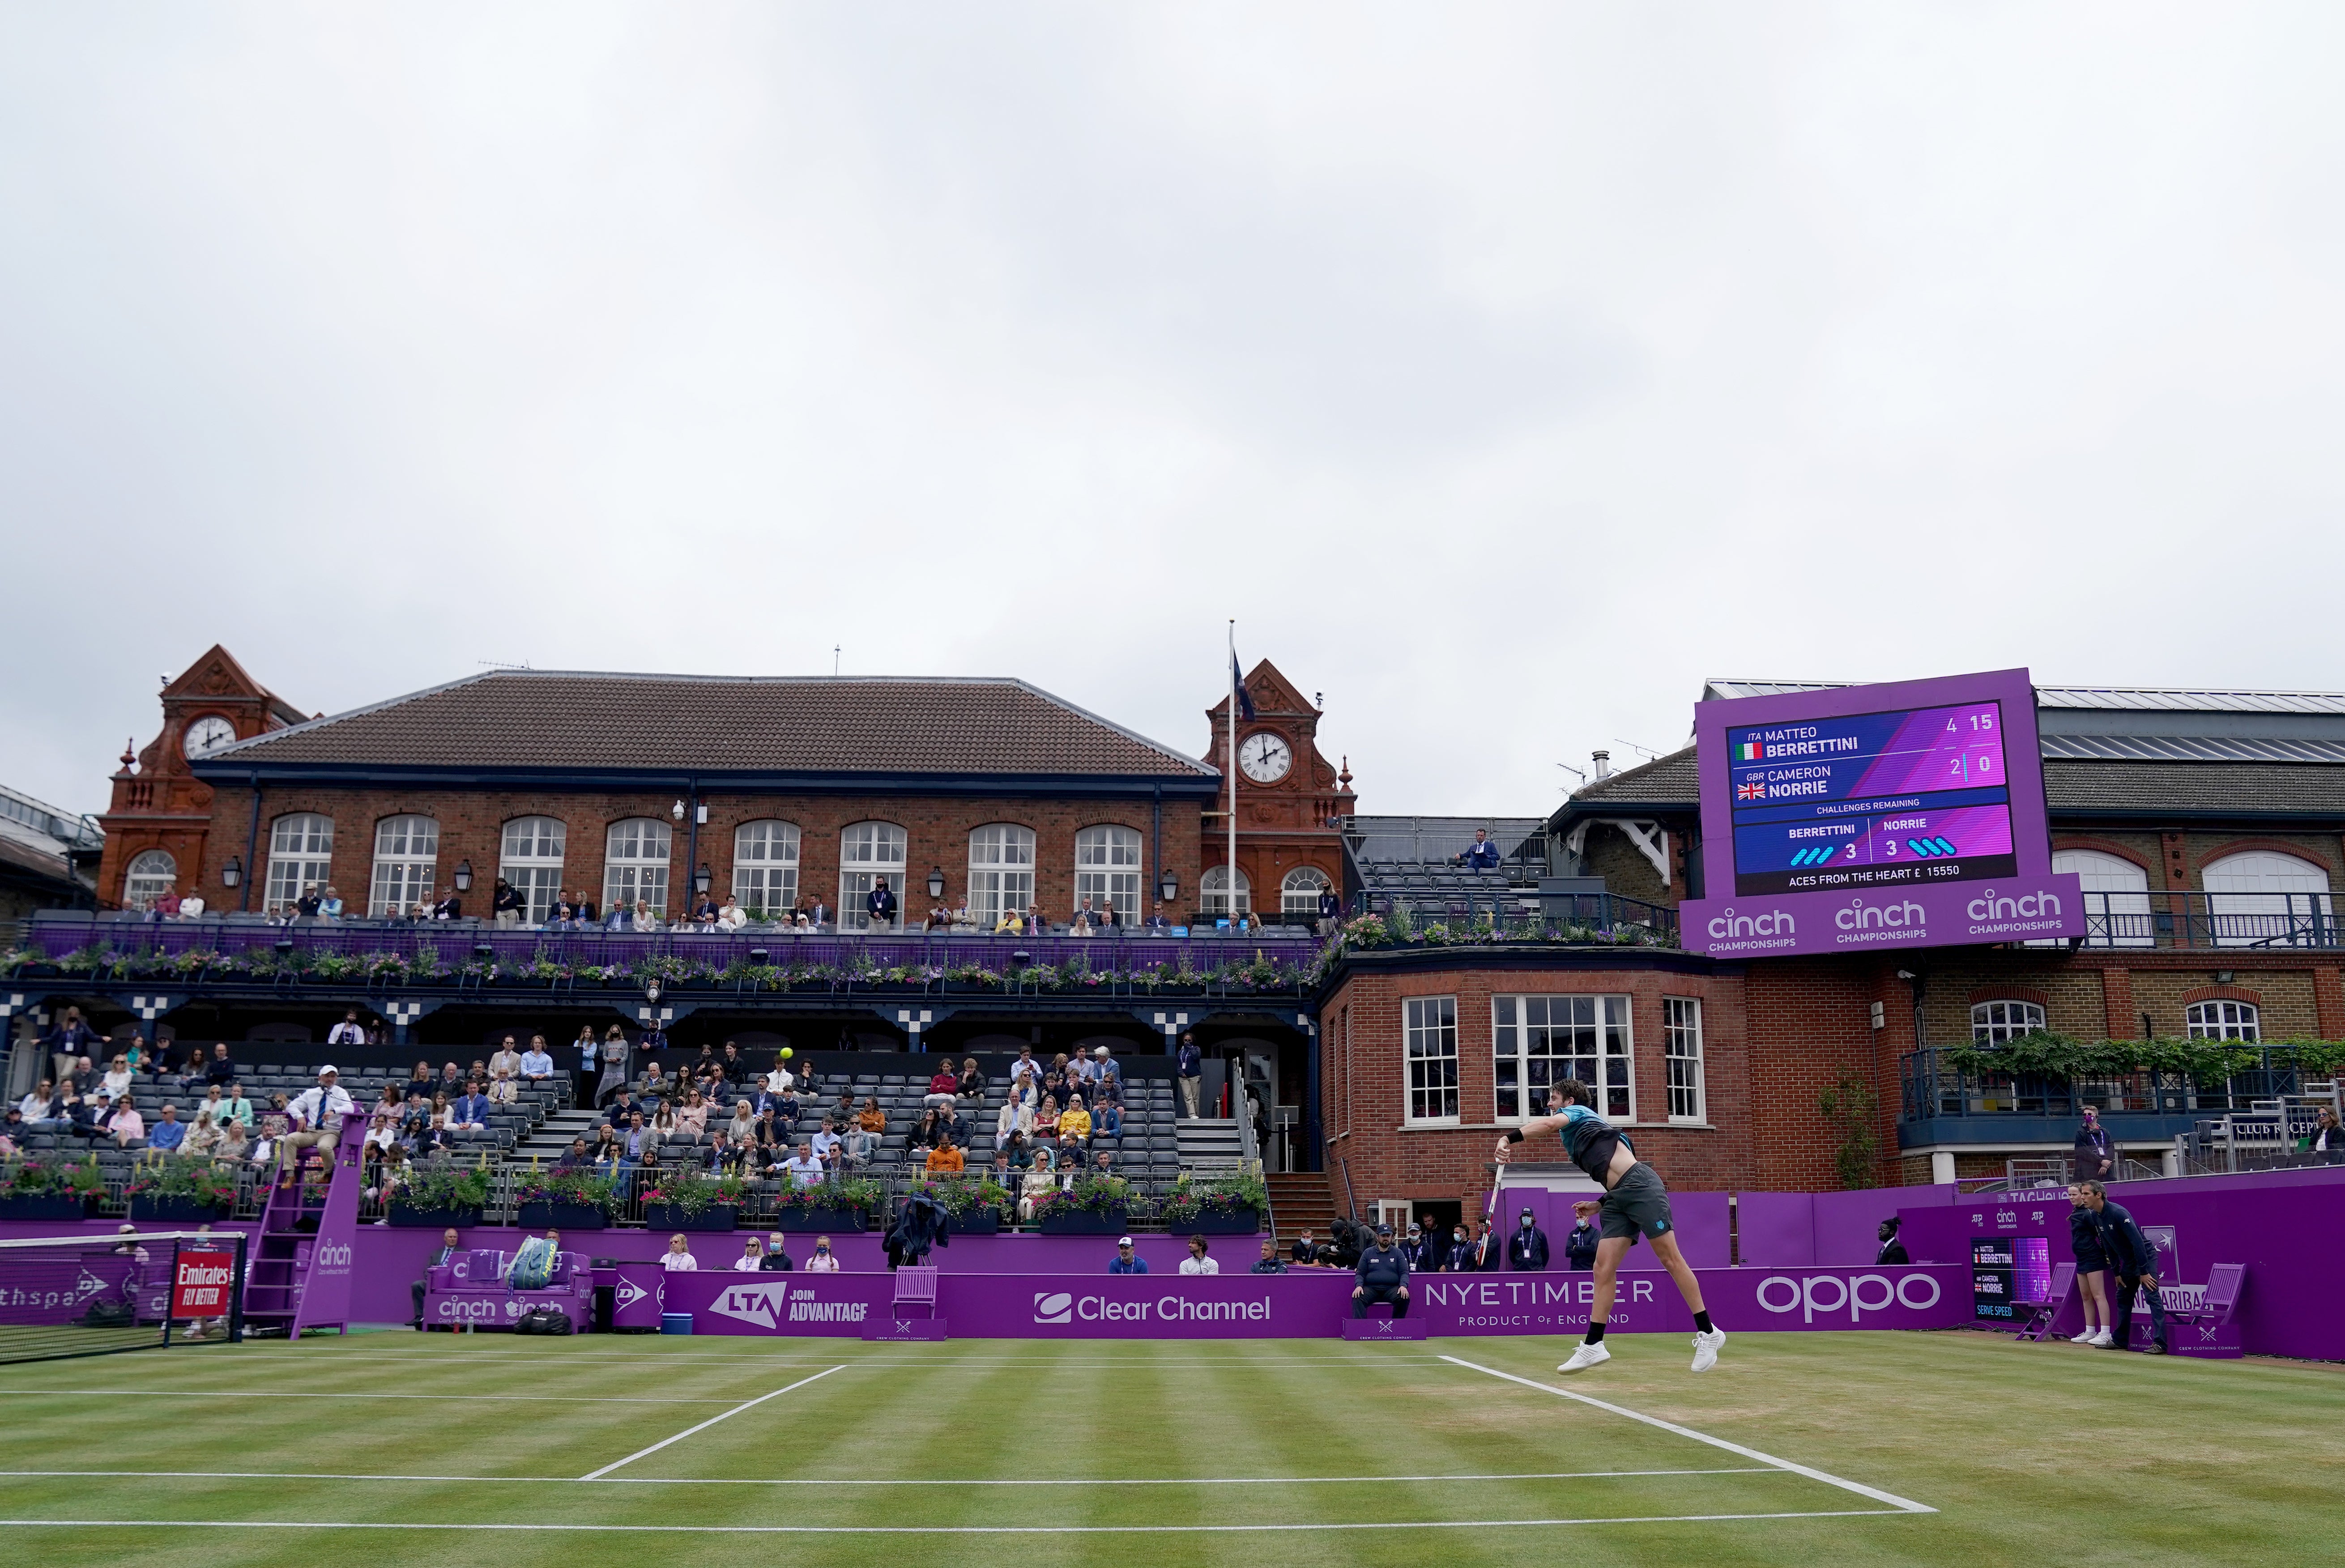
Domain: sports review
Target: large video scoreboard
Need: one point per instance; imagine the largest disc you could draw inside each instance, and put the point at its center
(1899, 815)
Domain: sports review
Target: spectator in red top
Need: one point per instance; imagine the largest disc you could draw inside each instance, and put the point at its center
(943, 1087)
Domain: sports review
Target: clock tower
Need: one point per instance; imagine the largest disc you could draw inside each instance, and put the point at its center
(1289, 804)
(161, 812)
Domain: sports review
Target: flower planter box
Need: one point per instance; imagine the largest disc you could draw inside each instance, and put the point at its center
(401, 1214)
(975, 1222)
(1227, 1222)
(1057, 1221)
(668, 1217)
(563, 1217)
(819, 1219)
(177, 1209)
(43, 1206)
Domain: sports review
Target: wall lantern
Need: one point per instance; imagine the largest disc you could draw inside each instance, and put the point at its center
(700, 880)
(232, 873)
(463, 877)
(1168, 886)
(937, 882)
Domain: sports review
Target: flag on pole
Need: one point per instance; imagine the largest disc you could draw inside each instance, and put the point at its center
(1237, 688)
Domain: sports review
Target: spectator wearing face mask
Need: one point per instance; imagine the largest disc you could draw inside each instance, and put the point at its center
(1527, 1248)
(1580, 1246)
(824, 1261)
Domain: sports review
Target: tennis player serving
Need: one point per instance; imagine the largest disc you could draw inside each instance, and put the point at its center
(1634, 1201)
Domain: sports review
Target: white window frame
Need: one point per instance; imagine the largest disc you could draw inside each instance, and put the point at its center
(301, 852)
(2226, 1019)
(766, 867)
(1520, 1023)
(2263, 896)
(1000, 871)
(1213, 891)
(1682, 1059)
(406, 863)
(632, 868)
(524, 863)
(1107, 857)
(2116, 899)
(1304, 883)
(863, 851)
(149, 875)
(1428, 1033)
(2004, 1019)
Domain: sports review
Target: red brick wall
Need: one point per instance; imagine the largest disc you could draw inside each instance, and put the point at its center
(471, 828)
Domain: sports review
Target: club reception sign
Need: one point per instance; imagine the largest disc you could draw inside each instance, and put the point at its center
(1862, 818)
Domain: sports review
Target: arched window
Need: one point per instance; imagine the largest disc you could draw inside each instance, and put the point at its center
(530, 860)
(1994, 1023)
(635, 864)
(1000, 871)
(148, 876)
(2116, 899)
(1299, 893)
(1107, 870)
(1213, 891)
(765, 868)
(2226, 1021)
(2261, 899)
(868, 853)
(300, 853)
(406, 852)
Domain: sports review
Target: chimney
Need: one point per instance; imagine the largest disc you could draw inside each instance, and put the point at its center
(1603, 764)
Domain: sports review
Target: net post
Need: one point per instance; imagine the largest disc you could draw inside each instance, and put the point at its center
(171, 1293)
(235, 1292)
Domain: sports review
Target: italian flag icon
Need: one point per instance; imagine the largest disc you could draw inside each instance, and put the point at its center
(1749, 752)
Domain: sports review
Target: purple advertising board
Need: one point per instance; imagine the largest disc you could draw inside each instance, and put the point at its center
(1861, 818)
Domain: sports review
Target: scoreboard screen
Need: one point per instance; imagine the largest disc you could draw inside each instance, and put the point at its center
(1871, 800)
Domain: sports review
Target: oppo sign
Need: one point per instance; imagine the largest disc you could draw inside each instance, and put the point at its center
(1807, 1296)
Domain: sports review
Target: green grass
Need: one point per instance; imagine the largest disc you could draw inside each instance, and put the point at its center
(2028, 1452)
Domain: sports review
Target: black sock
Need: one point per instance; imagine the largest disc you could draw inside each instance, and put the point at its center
(1595, 1333)
(1702, 1322)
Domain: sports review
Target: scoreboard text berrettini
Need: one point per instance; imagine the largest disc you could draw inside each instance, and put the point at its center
(1871, 800)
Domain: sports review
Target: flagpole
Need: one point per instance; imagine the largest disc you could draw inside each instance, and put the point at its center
(1232, 753)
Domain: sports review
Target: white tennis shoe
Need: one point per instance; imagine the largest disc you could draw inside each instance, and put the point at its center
(1587, 1356)
(2084, 1339)
(1706, 1348)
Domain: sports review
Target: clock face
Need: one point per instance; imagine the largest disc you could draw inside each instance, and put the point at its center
(208, 734)
(1265, 758)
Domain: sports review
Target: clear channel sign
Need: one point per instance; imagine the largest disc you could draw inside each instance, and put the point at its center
(1908, 814)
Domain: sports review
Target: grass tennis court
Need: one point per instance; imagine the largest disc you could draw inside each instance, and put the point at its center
(989, 1451)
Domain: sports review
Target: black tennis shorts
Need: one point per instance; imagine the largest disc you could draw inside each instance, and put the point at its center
(1638, 1202)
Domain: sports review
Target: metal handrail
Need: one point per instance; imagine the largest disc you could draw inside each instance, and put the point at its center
(1932, 1089)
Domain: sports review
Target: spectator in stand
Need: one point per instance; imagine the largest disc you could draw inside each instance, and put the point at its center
(330, 903)
(588, 1052)
(734, 1065)
(449, 908)
(168, 1132)
(692, 1117)
(2094, 1158)
(638, 1136)
(947, 1158)
(507, 1058)
(233, 1105)
(880, 905)
(970, 1089)
(2328, 1136)
(1306, 1251)
(646, 918)
(939, 918)
(40, 1110)
(123, 1121)
(1481, 855)
(204, 1137)
(871, 1118)
(753, 1256)
(776, 1259)
(1158, 921)
(857, 1147)
(678, 1258)
(803, 1169)
(507, 905)
(577, 1155)
(1127, 1261)
(1015, 1120)
(116, 1081)
(742, 1126)
(445, 1252)
(1198, 1261)
(1046, 1123)
(1269, 1262)
(419, 1080)
(235, 1144)
(1383, 1273)
(470, 1111)
(615, 1064)
(68, 1038)
(1189, 1071)
(1011, 924)
(827, 1143)
(450, 1081)
(1331, 912)
(349, 1032)
(943, 1085)
(1074, 1127)
(1579, 1245)
(503, 1091)
(725, 1156)
(1527, 1249)
(1035, 924)
(824, 1261)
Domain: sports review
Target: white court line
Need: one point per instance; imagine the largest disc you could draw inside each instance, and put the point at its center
(297, 1394)
(938, 1529)
(712, 1421)
(1902, 1504)
(860, 1480)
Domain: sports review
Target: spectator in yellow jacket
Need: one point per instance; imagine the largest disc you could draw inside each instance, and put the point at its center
(1074, 1124)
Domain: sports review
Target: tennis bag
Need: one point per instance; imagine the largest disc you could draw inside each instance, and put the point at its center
(110, 1315)
(543, 1320)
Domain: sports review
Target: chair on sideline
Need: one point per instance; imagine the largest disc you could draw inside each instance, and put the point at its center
(2041, 1314)
(2224, 1284)
(916, 1286)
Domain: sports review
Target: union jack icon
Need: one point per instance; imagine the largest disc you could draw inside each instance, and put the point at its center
(1752, 791)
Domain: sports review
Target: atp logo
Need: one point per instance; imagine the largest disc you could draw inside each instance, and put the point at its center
(1053, 1307)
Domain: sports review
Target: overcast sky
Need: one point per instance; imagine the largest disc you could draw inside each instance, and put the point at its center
(1503, 370)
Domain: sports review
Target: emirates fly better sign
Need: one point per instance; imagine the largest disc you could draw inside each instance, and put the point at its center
(199, 1285)
(1909, 814)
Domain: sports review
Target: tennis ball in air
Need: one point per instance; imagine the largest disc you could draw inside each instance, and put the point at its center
(787, 1053)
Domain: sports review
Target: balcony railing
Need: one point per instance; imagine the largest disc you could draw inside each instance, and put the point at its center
(2212, 920)
(1512, 914)
(1934, 1088)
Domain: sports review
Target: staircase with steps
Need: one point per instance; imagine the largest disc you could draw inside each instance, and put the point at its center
(1209, 1146)
(1302, 1201)
(552, 1137)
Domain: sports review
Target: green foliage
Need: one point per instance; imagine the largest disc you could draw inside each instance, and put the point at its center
(1090, 1194)
(695, 1191)
(577, 1185)
(1190, 1200)
(443, 1184)
(2044, 1054)
(52, 1178)
(858, 1193)
(1853, 1109)
(197, 1179)
(959, 1195)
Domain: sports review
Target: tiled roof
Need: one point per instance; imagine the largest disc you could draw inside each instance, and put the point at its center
(1665, 781)
(511, 720)
(2153, 789)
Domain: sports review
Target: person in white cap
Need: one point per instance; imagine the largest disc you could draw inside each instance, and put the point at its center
(318, 1114)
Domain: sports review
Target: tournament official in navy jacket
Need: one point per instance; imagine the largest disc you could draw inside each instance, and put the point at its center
(1526, 1248)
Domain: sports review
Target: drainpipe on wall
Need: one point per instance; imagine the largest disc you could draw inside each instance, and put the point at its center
(252, 868)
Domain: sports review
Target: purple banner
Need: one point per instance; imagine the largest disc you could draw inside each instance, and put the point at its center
(1908, 814)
